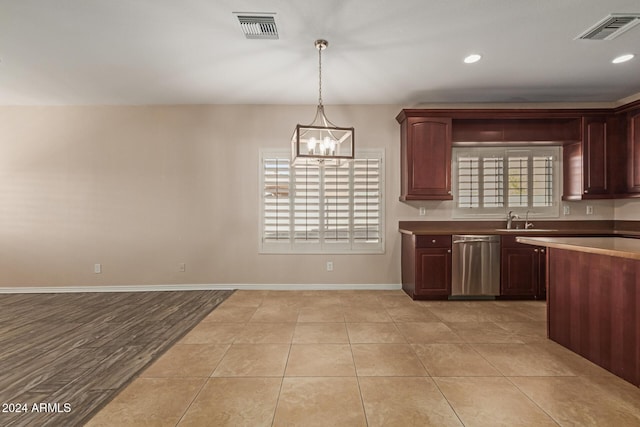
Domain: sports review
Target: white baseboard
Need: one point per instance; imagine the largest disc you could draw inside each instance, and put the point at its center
(197, 287)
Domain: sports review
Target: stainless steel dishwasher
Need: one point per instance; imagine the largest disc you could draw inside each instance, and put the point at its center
(476, 266)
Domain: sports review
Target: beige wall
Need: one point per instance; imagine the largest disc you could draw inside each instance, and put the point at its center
(142, 189)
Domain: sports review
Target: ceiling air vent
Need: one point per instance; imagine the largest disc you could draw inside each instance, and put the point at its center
(611, 27)
(258, 25)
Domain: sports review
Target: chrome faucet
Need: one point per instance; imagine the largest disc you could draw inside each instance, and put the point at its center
(527, 224)
(510, 217)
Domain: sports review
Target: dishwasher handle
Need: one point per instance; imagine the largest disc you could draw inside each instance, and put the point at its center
(473, 241)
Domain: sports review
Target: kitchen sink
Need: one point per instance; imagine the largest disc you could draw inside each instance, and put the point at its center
(524, 230)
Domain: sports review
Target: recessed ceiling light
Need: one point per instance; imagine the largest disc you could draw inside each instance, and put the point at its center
(623, 58)
(472, 58)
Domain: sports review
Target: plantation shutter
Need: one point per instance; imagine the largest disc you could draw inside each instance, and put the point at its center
(315, 208)
(306, 203)
(518, 181)
(480, 181)
(491, 180)
(277, 212)
(337, 203)
(367, 200)
(542, 181)
(468, 182)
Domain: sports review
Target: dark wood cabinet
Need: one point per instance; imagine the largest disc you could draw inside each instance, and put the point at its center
(572, 188)
(426, 158)
(633, 152)
(595, 155)
(522, 270)
(433, 267)
(601, 147)
(426, 266)
(593, 309)
(586, 162)
(516, 130)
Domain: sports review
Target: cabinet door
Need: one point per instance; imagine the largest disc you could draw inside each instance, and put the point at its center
(519, 272)
(428, 162)
(595, 155)
(585, 163)
(572, 171)
(433, 272)
(633, 152)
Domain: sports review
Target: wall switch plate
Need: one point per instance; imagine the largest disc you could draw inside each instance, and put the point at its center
(589, 210)
(566, 210)
(182, 267)
(97, 268)
(422, 211)
(329, 265)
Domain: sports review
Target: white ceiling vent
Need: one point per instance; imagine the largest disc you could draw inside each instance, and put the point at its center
(258, 25)
(611, 27)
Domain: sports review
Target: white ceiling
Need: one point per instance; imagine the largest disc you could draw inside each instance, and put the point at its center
(380, 52)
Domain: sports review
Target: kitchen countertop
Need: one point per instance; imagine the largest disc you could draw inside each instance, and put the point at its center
(609, 246)
(513, 232)
(541, 228)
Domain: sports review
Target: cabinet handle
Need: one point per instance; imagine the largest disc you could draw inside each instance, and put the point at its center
(449, 192)
(586, 191)
(448, 251)
(535, 250)
(541, 251)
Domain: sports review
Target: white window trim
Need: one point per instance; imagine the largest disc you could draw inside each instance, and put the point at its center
(291, 247)
(491, 213)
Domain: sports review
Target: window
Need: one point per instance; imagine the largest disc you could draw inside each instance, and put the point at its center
(308, 208)
(493, 181)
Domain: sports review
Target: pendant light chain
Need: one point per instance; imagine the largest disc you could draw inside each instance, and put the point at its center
(320, 47)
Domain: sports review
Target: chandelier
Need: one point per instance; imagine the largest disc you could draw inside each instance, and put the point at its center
(322, 140)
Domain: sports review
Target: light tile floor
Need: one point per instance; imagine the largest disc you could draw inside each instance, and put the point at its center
(371, 358)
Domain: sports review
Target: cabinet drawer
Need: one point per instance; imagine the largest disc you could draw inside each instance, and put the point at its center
(433, 241)
(510, 242)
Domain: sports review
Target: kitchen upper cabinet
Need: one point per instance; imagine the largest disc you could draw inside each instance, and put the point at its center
(633, 152)
(515, 130)
(425, 158)
(572, 171)
(523, 270)
(601, 148)
(595, 155)
(426, 266)
(585, 162)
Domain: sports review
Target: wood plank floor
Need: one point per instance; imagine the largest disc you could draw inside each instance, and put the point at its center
(83, 348)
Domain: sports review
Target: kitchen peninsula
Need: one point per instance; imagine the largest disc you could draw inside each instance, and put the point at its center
(593, 299)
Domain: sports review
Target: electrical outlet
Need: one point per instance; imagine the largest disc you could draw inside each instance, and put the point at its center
(589, 210)
(97, 268)
(566, 210)
(329, 265)
(182, 267)
(422, 211)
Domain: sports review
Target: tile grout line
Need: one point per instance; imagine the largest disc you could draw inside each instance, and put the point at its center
(447, 400)
(355, 368)
(206, 380)
(209, 377)
(427, 370)
(531, 399)
(275, 409)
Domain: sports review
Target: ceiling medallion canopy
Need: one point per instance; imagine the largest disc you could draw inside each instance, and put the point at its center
(322, 140)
